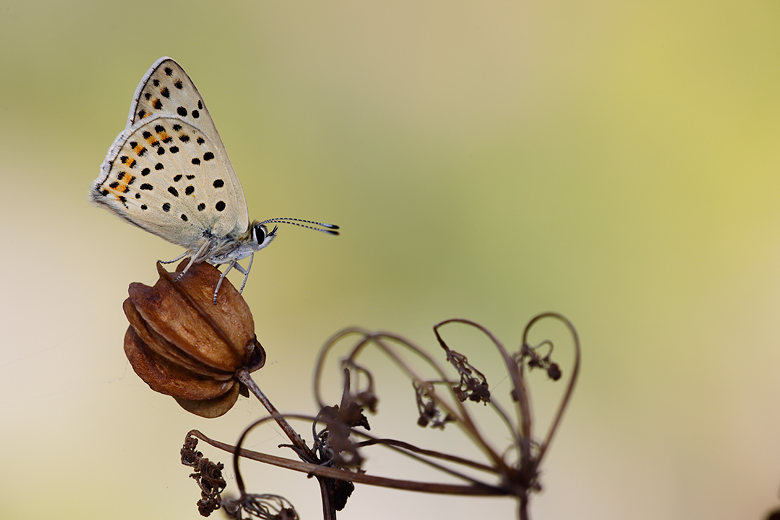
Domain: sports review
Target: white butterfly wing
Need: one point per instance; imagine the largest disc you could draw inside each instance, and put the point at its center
(166, 96)
(166, 89)
(169, 178)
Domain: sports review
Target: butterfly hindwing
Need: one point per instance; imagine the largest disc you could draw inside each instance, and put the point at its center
(169, 178)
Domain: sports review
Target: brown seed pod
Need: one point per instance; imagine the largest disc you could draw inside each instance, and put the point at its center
(183, 345)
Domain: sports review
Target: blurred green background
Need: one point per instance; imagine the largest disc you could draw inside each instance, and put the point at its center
(618, 162)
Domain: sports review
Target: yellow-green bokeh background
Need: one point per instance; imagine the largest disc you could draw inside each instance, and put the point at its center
(618, 162)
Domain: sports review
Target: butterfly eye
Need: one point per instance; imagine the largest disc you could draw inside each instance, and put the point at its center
(259, 233)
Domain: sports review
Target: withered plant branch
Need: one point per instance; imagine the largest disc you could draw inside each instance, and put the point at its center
(361, 478)
(360, 370)
(518, 481)
(406, 447)
(328, 510)
(419, 455)
(245, 378)
(518, 383)
(517, 373)
(502, 414)
(463, 418)
(572, 379)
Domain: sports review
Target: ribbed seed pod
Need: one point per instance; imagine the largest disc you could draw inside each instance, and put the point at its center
(183, 345)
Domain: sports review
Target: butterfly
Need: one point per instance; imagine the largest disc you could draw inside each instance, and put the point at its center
(169, 173)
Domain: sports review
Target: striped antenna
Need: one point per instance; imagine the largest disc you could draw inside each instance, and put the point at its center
(329, 228)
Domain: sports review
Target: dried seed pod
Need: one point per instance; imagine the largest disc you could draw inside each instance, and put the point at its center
(183, 345)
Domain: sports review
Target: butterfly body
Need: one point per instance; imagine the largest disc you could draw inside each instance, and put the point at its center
(168, 173)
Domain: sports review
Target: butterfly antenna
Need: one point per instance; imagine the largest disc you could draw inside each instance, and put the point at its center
(329, 228)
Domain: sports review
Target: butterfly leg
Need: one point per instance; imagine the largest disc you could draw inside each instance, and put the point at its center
(175, 259)
(245, 272)
(198, 256)
(230, 266)
(234, 263)
(192, 261)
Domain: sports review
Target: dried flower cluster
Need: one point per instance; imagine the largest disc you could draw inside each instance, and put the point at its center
(207, 474)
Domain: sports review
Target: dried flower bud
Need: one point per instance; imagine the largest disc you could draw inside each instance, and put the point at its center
(183, 345)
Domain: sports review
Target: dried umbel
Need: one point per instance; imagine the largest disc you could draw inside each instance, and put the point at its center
(183, 345)
(445, 396)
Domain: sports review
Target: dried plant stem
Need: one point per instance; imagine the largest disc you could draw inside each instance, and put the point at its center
(458, 410)
(360, 478)
(328, 511)
(522, 508)
(572, 379)
(245, 378)
(518, 383)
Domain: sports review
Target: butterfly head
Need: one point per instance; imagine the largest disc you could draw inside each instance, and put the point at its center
(260, 236)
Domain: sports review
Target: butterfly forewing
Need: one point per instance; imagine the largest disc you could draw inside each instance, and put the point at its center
(166, 90)
(170, 178)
